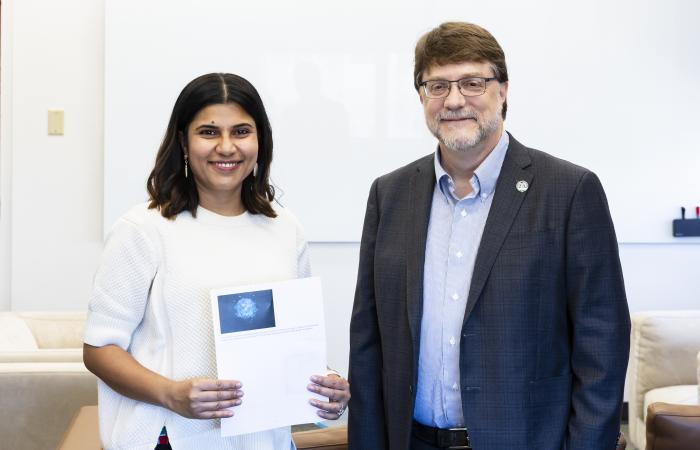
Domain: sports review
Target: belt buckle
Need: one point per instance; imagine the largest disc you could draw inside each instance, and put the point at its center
(460, 447)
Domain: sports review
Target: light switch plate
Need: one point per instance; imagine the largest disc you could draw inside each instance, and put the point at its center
(55, 122)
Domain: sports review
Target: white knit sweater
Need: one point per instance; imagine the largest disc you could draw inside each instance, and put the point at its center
(151, 297)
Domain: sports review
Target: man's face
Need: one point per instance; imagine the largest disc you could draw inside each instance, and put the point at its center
(463, 123)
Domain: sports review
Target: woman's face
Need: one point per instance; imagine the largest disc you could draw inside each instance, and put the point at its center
(222, 146)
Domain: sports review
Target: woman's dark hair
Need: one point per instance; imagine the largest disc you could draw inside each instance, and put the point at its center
(169, 190)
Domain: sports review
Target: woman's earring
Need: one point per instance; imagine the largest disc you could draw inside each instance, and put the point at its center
(255, 170)
(185, 165)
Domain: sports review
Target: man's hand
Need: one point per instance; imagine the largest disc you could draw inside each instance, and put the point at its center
(337, 389)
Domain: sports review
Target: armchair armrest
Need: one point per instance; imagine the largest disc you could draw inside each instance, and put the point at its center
(43, 355)
(672, 427)
(38, 400)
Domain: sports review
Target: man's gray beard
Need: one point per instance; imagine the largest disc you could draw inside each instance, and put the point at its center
(466, 143)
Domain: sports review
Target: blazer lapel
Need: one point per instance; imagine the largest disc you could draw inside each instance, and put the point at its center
(506, 204)
(420, 198)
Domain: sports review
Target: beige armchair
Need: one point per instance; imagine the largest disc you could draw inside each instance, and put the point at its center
(43, 381)
(663, 365)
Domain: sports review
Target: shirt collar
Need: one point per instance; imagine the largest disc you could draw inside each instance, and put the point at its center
(485, 176)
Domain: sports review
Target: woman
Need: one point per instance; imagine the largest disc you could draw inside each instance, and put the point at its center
(210, 222)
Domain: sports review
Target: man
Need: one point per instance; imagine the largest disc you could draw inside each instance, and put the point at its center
(490, 310)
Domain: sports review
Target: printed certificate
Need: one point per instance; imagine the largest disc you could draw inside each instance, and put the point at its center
(271, 337)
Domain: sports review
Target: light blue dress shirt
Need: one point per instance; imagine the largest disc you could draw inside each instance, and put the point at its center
(454, 234)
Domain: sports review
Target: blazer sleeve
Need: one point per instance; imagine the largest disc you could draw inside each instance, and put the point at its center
(366, 426)
(599, 317)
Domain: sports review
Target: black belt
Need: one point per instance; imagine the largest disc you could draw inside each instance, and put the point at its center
(455, 438)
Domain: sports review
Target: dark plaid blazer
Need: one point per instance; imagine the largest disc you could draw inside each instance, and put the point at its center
(545, 338)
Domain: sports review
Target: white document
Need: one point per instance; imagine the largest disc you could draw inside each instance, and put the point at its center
(271, 337)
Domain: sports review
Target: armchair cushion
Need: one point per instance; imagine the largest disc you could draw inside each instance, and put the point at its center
(41, 337)
(56, 329)
(666, 344)
(15, 334)
(677, 395)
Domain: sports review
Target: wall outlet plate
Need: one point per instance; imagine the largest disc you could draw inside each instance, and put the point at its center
(55, 122)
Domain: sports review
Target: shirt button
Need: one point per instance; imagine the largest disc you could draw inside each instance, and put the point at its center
(464, 213)
(459, 254)
(455, 296)
(452, 340)
(455, 387)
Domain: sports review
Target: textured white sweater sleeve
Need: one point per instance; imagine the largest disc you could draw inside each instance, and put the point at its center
(121, 285)
(303, 259)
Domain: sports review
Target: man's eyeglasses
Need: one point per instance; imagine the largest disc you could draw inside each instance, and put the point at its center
(469, 87)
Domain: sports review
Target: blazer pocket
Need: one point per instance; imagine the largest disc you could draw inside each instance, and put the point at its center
(516, 241)
(548, 391)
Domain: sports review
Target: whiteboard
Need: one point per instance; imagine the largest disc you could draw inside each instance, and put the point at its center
(611, 86)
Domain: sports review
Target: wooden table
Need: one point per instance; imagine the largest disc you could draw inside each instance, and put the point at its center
(83, 433)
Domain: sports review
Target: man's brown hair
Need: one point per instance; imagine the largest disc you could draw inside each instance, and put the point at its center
(458, 42)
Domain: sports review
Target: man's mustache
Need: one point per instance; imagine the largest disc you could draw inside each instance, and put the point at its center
(457, 115)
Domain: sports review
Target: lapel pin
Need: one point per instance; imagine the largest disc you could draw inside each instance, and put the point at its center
(521, 186)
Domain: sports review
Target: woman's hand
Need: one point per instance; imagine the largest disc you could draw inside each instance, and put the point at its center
(204, 398)
(337, 389)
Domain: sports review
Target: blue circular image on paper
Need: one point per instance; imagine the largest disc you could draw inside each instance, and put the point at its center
(246, 308)
(246, 311)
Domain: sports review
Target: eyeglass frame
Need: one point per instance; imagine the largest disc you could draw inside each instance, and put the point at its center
(485, 80)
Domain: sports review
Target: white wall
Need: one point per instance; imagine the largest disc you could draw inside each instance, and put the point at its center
(5, 153)
(52, 57)
(55, 198)
(342, 101)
